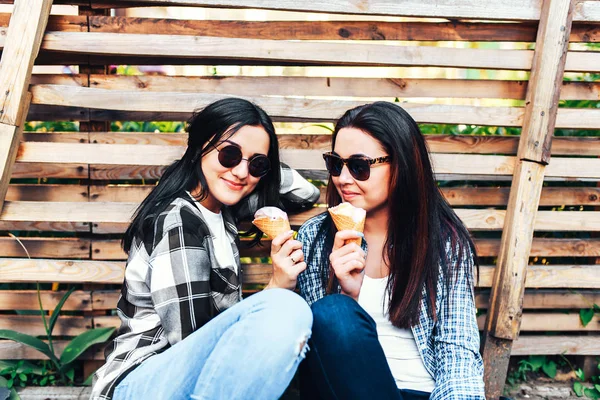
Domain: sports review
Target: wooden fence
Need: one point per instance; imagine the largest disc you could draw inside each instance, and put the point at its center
(534, 218)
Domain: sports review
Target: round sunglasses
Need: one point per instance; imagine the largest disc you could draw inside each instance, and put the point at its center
(359, 166)
(231, 156)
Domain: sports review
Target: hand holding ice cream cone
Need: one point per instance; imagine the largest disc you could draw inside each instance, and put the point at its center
(286, 253)
(347, 263)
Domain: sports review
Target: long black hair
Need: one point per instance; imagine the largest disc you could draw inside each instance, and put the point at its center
(425, 238)
(206, 128)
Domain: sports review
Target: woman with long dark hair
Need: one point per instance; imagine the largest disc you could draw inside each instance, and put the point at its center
(401, 321)
(185, 331)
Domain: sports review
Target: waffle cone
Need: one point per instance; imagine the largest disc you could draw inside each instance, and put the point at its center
(272, 226)
(345, 222)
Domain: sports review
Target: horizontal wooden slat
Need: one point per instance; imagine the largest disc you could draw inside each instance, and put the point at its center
(498, 196)
(335, 30)
(314, 30)
(542, 247)
(547, 299)
(328, 86)
(33, 325)
(543, 322)
(300, 52)
(59, 137)
(120, 213)
(111, 249)
(10, 350)
(156, 155)
(105, 299)
(45, 226)
(47, 193)
(51, 247)
(554, 276)
(55, 170)
(559, 344)
(66, 23)
(66, 271)
(25, 270)
(470, 144)
(163, 105)
(27, 300)
(539, 322)
(489, 9)
(524, 345)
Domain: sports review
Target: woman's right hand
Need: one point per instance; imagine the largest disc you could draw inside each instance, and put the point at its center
(288, 261)
(348, 262)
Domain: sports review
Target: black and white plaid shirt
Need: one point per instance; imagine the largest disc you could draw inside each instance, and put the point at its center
(174, 284)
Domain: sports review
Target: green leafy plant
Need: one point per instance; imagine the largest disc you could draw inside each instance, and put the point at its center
(62, 365)
(586, 314)
(582, 389)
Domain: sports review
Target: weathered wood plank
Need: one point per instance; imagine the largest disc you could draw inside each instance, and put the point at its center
(10, 350)
(32, 324)
(157, 155)
(53, 192)
(552, 276)
(455, 9)
(114, 217)
(66, 23)
(498, 196)
(111, 249)
(59, 170)
(525, 345)
(331, 86)
(65, 271)
(52, 247)
(469, 144)
(161, 104)
(27, 300)
(315, 30)
(550, 345)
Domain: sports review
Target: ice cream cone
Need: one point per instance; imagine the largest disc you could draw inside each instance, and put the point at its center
(347, 217)
(272, 226)
(272, 221)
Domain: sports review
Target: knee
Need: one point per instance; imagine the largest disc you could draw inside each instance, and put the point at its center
(288, 309)
(341, 321)
(289, 319)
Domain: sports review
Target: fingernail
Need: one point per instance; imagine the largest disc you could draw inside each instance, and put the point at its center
(360, 234)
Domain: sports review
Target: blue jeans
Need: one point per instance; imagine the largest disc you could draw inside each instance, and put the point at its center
(250, 351)
(346, 361)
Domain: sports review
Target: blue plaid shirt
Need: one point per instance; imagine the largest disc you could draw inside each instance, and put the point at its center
(449, 346)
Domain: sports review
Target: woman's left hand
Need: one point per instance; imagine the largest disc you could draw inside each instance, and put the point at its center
(288, 261)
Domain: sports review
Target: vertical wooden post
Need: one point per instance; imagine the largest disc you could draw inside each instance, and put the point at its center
(25, 32)
(90, 366)
(506, 299)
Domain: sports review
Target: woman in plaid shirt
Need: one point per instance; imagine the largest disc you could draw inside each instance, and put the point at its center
(401, 323)
(185, 333)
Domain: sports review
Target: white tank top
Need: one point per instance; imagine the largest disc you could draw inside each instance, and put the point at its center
(398, 345)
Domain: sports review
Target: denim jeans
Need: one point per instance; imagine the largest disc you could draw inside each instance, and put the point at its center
(250, 351)
(346, 361)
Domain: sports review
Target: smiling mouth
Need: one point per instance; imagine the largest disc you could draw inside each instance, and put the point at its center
(234, 185)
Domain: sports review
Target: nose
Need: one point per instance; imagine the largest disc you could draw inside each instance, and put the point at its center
(345, 176)
(240, 171)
